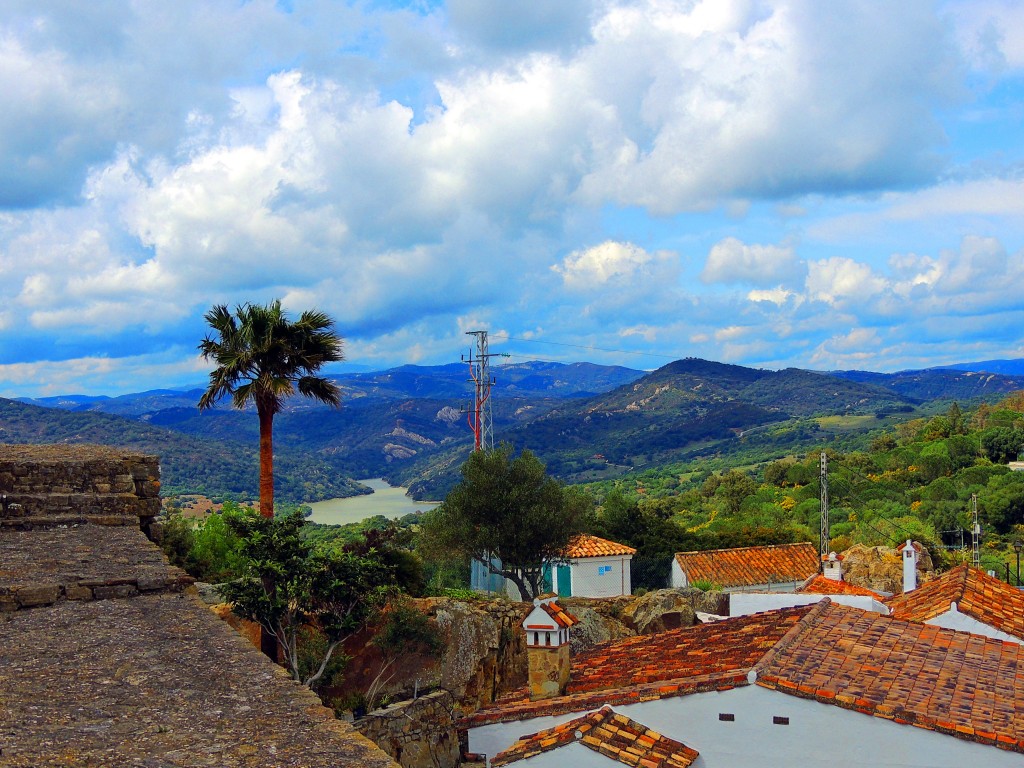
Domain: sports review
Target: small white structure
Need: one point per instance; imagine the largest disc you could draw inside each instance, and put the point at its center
(592, 567)
(909, 552)
(547, 647)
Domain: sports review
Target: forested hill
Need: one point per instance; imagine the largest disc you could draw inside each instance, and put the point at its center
(587, 422)
(187, 464)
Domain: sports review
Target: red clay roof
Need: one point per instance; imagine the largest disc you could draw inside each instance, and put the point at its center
(750, 566)
(705, 657)
(964, 685)
(819, 585)
(961, 684)
(976, 594)
(609, 733)
(561, 617)
(586, 545)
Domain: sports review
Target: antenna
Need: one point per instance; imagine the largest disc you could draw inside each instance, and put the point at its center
(480, 415)
(824, 540)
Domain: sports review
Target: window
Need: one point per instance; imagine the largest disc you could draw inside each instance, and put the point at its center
(727, 717)
(777, 720)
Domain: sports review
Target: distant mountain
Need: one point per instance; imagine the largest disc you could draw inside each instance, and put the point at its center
(1005, 367)
(666, 416)
(530, 379)
(938, 383)
(409, 423)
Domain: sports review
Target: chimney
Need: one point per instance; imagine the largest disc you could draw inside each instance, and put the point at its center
(833, 567)
(547, 647)
(909, 566)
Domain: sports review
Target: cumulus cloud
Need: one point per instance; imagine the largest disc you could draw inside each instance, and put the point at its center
(408, 169)
(620, 264)
(842, 281)
(732, 261)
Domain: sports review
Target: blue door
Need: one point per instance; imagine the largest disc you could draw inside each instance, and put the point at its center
(564, 581)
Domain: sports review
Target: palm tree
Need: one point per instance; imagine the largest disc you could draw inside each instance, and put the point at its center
(262, 357)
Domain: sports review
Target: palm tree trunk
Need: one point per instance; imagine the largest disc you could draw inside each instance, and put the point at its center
(266, 460)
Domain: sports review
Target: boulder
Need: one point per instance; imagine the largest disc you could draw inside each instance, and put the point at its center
(594, 628)
(659, 610)
(881, 568)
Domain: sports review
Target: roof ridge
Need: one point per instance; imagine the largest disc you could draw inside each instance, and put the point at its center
(750, 546)
(805, 624)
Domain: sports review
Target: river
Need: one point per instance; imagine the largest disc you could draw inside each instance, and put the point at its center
(387, 500)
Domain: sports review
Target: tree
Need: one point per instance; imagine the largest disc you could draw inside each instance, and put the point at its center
(263, 357)
(506, 509)
(289, 586)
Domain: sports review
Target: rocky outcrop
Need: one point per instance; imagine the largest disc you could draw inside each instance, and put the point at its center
(485, 649)
(881, 568)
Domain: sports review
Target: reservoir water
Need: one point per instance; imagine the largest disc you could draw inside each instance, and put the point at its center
(387, 500)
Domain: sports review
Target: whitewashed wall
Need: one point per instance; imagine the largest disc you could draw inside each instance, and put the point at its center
(600, 576)
(745, 603)
(816, 734)
(953, 619)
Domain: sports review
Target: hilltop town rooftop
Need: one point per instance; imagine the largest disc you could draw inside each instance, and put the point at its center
(105, 656)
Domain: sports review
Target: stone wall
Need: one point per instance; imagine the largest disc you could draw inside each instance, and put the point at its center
(418, 733)
(50, 485)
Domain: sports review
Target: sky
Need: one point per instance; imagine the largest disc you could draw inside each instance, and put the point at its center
(824, 185)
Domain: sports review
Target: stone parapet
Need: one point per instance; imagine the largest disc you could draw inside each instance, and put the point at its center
(44, 566)
(418, 733)
(48, 485)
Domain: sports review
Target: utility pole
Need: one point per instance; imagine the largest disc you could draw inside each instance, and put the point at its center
(479, 371)
(824, 540)
(975, 533)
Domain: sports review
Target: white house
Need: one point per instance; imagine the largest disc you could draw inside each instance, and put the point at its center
(592, 567)
(814, 685)
(967, 599)
(774, 568)
(830, 583)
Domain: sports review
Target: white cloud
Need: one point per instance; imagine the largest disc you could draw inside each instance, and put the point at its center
(842, 281)
(618, 264)
(732, 261)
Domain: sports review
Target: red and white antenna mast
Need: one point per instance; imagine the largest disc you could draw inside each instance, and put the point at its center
(479, 372)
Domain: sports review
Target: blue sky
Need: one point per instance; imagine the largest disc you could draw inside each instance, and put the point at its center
(820, 185)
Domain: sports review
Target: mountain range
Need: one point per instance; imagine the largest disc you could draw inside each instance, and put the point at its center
(585, 421)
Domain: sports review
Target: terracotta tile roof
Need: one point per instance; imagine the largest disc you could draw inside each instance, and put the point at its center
(706, 657)
(748, 566)
(963, 685)
(586, 545)
(957, 683)
(819, 585)
(560, 616)
(609, 733)
(975, 593)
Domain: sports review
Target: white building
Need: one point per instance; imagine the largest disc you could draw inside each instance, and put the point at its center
(592, 567)
(774, 568)
(814, 685)
(967, 599)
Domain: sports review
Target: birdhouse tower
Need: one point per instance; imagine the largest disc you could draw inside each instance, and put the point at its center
(547, 646)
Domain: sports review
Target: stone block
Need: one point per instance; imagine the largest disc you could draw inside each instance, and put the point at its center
(114, 591)
(78, 592)
(37, 594)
